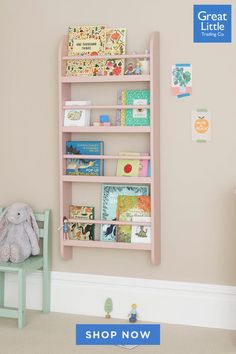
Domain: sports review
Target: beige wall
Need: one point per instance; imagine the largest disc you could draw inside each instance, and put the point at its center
(198, 204)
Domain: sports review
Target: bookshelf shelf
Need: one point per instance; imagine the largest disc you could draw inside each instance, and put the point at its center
(107, 107)
(106, 129)
(107, 157)
(100, 244)
(107, 179)
(69, 182)
(93, 57)
(93, 79)
(110, 222)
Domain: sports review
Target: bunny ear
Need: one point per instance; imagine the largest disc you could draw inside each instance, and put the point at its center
(33, 222)
(3, 224)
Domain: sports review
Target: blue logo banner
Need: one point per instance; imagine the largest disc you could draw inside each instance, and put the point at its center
(212, 23)
(118, 334)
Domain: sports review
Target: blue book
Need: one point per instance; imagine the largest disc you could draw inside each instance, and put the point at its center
(85, 167)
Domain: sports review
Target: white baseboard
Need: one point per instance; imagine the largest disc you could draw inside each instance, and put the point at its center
(157, 300)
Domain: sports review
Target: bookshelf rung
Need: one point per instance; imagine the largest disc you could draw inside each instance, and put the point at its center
(110, 222)
(93, 57)
(107, 129)
(107, 157)
(107, 107)
(101, 244)
(107, 179)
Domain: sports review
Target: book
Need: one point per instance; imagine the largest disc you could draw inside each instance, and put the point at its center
(123, 102)
(118, 111)
(77, 117)
(129, 167)
(85, 167)
(110, 193)
(86, 40)
(80, 231)
(137, 117)
(127, 208)
(115, 45)
(141, 233)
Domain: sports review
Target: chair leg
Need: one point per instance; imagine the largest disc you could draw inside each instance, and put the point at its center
(2, 287)
(21, 298)
(46, 290)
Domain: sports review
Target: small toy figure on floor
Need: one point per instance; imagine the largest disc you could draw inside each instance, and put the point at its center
(133, 314)
(108, 307)
(66, 228)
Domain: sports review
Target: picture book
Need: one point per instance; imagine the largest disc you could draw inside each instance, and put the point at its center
(77, 117)
(137, 117)
(126, 167)
(127, 208)
(110, 193)
(80, 231)
(85, 167)
(141, 233)
(115, 45)
(86, 40)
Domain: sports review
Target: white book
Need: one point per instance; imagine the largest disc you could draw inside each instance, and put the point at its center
(77, 117)
(141, 233)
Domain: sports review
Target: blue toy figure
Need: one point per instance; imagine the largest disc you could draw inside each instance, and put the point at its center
(133, 314)
(66, 228)
(137, 69)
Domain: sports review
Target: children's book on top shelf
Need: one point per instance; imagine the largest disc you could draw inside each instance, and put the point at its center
(95, 40)
(110, 193)
(115, 45)
(82, 231)
(86, 40)
(127, 208)
(139, 116)
(85, 167)
(133, 168)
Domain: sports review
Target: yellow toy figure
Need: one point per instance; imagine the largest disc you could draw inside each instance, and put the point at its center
(133, 314)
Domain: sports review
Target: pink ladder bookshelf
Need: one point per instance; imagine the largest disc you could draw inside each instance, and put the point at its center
(65, 134)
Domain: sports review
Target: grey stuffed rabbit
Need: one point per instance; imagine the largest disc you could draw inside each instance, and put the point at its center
(19, 233)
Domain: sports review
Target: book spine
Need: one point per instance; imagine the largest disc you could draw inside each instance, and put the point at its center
(118, 112)
(123, 102)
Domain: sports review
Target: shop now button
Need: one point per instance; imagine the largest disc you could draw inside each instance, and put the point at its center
(118, 334)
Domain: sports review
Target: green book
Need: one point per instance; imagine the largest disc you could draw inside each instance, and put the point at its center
(137, 117)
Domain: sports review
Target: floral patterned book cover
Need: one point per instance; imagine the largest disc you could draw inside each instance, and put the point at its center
(86, 40)
(81, 231)
(110, 193)
(127, 208)
(115, 45)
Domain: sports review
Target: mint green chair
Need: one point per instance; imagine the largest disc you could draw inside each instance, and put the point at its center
(31, 264)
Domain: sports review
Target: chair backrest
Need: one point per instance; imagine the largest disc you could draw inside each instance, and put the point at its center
(43, 224)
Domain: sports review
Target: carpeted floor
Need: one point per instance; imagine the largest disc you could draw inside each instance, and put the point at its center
(55, 334)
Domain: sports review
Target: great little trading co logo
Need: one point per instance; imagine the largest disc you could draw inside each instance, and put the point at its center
(212, 23)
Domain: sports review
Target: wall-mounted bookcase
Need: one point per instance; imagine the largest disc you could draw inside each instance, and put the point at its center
(153, 132)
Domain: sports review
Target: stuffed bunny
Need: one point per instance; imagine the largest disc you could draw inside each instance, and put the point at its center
(19, 233)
